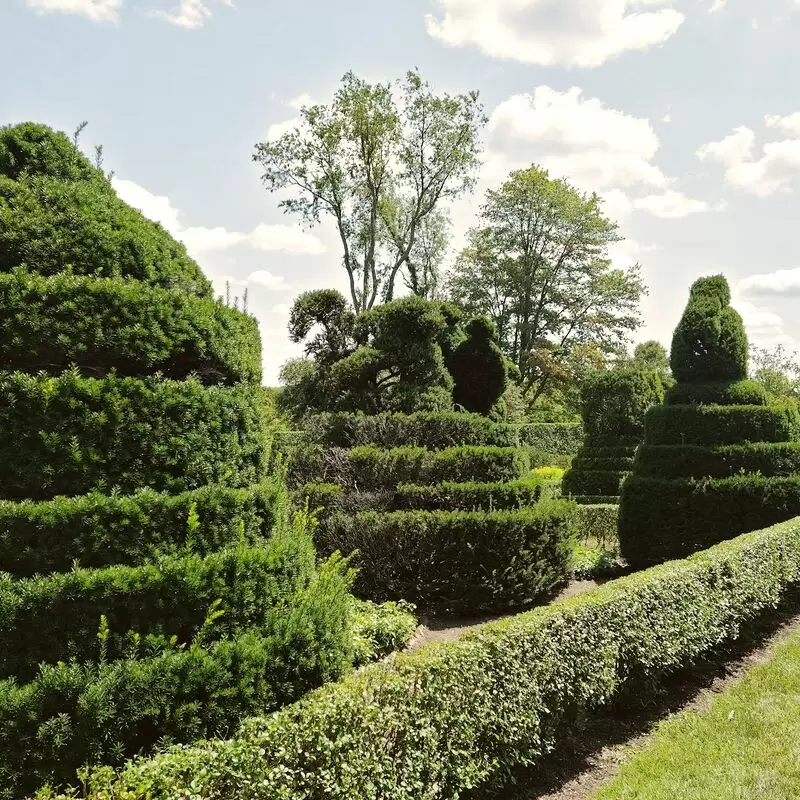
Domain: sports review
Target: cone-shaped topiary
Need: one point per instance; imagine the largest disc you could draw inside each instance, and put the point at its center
(716, 459)
(613, 410)
(478, 368)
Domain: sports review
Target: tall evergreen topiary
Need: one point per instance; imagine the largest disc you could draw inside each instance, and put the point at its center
(613, 408)
(478, 368)
(172, 593)
(717, 460)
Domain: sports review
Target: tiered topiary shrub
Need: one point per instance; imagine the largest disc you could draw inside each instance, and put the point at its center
(441, 508)
(613, 409)
(717, 459)
(152, 585)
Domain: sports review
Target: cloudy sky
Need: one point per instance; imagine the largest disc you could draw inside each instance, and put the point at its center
(683, 114)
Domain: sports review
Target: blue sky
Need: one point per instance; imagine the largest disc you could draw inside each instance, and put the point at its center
(683, 114)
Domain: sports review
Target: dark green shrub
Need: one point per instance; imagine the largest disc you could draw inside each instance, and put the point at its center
(73, 714)
(57, 617)
(98, 530)
(713, 425)
(50, 226)
(465, 562)
(71, 435)
(450, 496)
(381, 629)
(478, 367)
(50, 323)
(593, 482)
(596, 525)
(610, 464)
(561, 439)
(694, 461)
(434, 430)
(709, 344)
(739, 393)
(453, 716)
(663, 519)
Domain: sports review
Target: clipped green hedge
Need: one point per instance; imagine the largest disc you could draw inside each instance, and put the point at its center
(610, 464)
(452, 716)
(694, 461)
(596, 525)
(57, 617)
(433, 430)
(450, 496)
(716, 425)
(373, 468)
(738, 393)
(689, 515)
(50, 226)
(71, 435)
(98, 530)
(593, 482)
(70, 715)
(460, 561)
(563, 439)
(99, 324)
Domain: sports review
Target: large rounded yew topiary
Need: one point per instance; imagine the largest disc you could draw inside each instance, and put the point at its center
(717, 460)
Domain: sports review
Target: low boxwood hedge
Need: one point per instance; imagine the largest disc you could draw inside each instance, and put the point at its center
(103, 324)
(690, 515)
(70, 435)
(460, 561)
(608, 464)
(57, 617)
(97, 530)
(452, 716)
(694, 461)
(450, 496)
(433, 430)
(592, 482)
(557, 438)
(738, 393)
(716, 425)
(596, 525)
(70, 715)
(372, 468)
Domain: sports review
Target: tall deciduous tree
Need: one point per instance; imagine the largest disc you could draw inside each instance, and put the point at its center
(537, 264)
(382, 161)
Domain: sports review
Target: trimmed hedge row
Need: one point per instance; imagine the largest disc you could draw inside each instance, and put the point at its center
(433, 430)
(716, 425)
(611, 464)
(689, 515)
(457, 715)
(70, 715)
(450, 496)
(693, 461)
(98, 530)
(593, 482)
(738, 393)
(372, 468)
(550, 437)
(50, 226)
(99, 324)
(459, 561)
(596, 525)
(71, 435)
(57, 617)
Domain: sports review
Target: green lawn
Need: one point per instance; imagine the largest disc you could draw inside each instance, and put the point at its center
(746, 745)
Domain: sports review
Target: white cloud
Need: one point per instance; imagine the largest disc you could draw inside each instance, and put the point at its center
(785, 282)
(281, 308)
(555, 32)
(190, 14)
(95, 10)
(667, 118)
(718, 5)
(264, 278)
(774, 170)
(276, 130)
(789, 123)
(199, 240)
(300, 101)
(671, 205)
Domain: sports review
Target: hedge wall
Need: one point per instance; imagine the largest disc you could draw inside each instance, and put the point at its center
(372, 468)
(99, 324)
(98, 530)
(73, 714)
(452, 716)
(70, 435)
(459, 561)
(592, 482)
(434, 430)
(740, 393)
(559, 439)
(471, 496)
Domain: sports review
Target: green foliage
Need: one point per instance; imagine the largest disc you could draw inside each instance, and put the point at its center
(49, 226)
(593, 563)
(326, 311)
(458, 561)
(716, 425)
(738, 393)
(478, 368)
(51, 323)
(373, 468)
(381, 629)
(436, 431)
(452, 716)
(652, 356)
(471, 496)
(70, 435)
(595, 525)
(98, 530)
(583, 481)
(561, 439)
(75, 714)
(709, 344)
